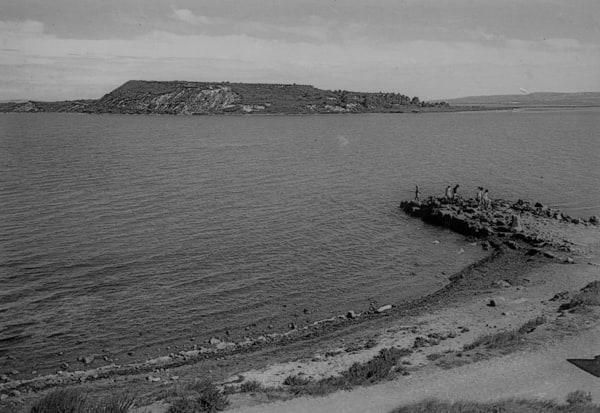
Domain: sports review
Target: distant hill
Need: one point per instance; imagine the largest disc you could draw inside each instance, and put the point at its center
(197, 98)
(532, 99)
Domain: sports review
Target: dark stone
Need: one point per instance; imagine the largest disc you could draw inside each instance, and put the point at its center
(86, 359)
(492, 303)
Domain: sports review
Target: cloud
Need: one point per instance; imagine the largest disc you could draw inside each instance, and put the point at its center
(429, 69)
(21, 28)
(187, 16)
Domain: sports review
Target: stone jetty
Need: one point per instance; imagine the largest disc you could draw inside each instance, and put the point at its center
(502, 222)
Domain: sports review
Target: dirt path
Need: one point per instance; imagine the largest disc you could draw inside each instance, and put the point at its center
(543, 374)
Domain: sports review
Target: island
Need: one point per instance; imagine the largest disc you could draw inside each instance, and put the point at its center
(203, 98)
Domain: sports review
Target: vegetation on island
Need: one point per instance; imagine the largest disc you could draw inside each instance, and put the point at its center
(197, 98)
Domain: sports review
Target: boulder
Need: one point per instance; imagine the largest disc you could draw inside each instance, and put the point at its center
(351, 315)
(86, 359)
(515, 224)
(383, 309)
(501, 284)
(594, 220)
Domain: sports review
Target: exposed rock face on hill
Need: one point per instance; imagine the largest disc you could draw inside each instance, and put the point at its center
(194, 98)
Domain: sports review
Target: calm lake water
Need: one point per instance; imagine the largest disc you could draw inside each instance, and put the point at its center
(136, 233)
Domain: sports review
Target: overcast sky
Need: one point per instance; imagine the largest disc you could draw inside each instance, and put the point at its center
(65, 49)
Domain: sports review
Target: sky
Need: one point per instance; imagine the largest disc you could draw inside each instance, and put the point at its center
(434, 49)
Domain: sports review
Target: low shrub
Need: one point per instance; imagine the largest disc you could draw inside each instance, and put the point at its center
(376, 369)
(294, 380)
(117, 403)
(505, 406)
(62, 400)
(384, 365)
(75, 401)
(209, 398)
(579, 398)
(251, 386)
(587, 296)
(505, 338)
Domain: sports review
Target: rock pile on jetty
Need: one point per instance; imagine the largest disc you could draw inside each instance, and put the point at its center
(501, 222)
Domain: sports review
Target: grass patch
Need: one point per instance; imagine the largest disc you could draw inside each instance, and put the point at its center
(505, 339)
(587, 296)
(75, 401)
(63, 400)
(251, 386)
(577, 402)
(379, 368)
(201, 396)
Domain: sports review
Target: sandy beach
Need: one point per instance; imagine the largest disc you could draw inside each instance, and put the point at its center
(517, 284)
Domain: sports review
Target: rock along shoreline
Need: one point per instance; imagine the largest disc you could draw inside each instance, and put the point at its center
(502, 222)
(521, 225)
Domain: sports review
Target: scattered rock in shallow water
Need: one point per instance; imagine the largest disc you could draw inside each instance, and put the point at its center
(501, 284)
(64, 366)
(594, 220)
(153, 379)
(351, 315)
(85, 359)
(214, 341)
(569, 260)
(549, 254)
(383, 309)
(512, 245)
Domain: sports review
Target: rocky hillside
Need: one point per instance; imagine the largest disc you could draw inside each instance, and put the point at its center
(197, 98)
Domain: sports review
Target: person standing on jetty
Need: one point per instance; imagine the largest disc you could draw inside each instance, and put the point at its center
(417, 193)
(479, 196)
(486, 199)
(455, 192)
(448, 193)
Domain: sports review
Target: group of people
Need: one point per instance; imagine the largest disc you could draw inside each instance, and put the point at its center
(452, 193)
(482, 196)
